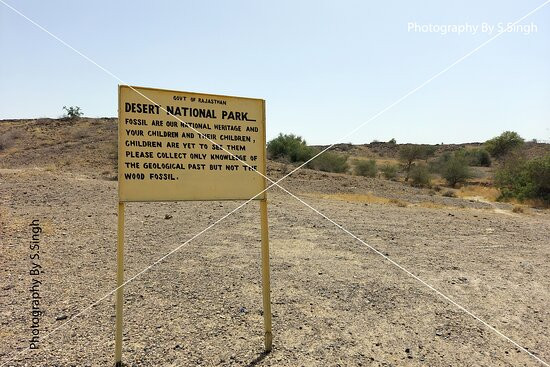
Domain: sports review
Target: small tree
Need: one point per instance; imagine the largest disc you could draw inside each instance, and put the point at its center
(73, 112)
(455, 170)
(504, 143)
(289, 147)
(366, 168)
(408, 154)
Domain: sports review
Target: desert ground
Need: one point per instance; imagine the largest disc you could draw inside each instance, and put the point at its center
(335, 302)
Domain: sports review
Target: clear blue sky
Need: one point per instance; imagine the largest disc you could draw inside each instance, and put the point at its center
(323, 67)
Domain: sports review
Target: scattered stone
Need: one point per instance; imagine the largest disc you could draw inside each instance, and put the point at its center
(167, 216)
(61, 317)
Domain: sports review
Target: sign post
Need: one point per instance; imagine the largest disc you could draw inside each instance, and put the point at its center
(265, 276)
(119, 283)
(182, 146)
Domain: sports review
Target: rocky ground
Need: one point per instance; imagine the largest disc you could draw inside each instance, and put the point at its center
(336, 302)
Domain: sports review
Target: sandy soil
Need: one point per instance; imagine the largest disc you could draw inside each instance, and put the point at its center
(335, 302)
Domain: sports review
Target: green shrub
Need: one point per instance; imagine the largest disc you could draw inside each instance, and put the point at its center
(504, 143)
(330, 162)
(436, 165)
(73, 112)
(477, 157)
(366, 168)
(389, 171)
(455, 170)
(525, 179)
(408, 154)
(289, 147)
(420, 175)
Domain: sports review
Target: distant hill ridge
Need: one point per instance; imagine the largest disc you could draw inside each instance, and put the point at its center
(89, 145)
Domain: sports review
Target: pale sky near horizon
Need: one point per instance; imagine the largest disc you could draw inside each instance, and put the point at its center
(322, 67)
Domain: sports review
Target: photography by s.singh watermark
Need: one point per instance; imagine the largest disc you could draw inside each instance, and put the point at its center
(472, 29)
(35, 273)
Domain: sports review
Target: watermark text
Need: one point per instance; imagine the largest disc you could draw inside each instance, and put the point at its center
(472, 29)
(35, 272)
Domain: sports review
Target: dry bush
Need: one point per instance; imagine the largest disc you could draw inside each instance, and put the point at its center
(420, 176)
(285, 168)
(8, 139)
(365, 168)
(109, 176)
(389, 171)
(488, 193)
(50, 167)
(517, 209)
(399, 203)
(81, 133)
(449, 194)
(112, 151)
(430, 205)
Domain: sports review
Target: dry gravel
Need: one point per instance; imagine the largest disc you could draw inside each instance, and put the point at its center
(335, 302)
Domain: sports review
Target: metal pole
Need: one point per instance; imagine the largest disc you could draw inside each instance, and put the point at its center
(265, 276)
(120, 288)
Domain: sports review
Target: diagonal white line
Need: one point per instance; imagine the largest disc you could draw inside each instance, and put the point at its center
(297, 168)
(158, 261)
(412, 275)
(131, 87)
(414, 90)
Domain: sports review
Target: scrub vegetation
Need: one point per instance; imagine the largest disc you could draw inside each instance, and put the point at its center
(72, 112)
(294, 149)
(366, 168)
(506, 163)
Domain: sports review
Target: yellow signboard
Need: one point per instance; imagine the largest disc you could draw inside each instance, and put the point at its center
(176, 146)
(189, 146)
